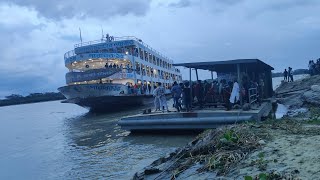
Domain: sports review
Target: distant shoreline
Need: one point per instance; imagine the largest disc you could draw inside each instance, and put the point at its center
(295, 72)
(15, 99)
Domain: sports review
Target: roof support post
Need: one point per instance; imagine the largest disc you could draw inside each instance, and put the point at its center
(211, 75)
(197, 74)
(240, 83)
(190, 87)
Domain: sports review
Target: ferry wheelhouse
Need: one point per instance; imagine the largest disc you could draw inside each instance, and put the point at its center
(115, 72)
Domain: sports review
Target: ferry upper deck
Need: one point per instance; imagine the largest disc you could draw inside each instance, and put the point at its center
(118, 60)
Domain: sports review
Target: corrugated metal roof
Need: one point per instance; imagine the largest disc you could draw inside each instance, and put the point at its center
(226, 65)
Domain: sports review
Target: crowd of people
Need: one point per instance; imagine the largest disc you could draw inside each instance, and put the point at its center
(204, 93)
(117, 66)
(181, 94)
(138, 89)
(314, 67)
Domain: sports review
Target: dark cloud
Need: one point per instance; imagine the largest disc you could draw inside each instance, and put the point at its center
(60, 9)
(282, 33)
(180, 4)
(217, 4)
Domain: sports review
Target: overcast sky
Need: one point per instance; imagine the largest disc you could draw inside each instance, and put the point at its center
(35, 34)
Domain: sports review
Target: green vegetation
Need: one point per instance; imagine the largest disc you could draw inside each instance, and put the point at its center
(31, 98)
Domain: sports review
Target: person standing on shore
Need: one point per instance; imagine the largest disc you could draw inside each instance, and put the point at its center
(290, 75)
(285, 75)
(289, 72)
(160, 92)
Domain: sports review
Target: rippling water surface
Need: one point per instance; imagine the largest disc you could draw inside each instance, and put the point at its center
(52, 140)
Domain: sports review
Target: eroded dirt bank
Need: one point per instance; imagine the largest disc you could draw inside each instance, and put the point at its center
(286, 148)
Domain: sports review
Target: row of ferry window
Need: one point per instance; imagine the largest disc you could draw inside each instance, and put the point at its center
(152, 72)
(142, 54)
(141, 69)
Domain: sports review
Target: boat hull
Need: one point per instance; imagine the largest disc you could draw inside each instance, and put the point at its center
(103, 97)
(111, 103)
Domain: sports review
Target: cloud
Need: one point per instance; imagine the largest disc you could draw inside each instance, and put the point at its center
(213, 5)
(180, 4)
(102, 9)
(281, 33)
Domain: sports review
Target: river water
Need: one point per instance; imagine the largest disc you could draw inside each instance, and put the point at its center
(52, 140)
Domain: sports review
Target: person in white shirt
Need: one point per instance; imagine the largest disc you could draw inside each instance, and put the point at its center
(235, 93)
(160, 93)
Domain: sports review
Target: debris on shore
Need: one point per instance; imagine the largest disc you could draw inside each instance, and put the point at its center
(273, 149)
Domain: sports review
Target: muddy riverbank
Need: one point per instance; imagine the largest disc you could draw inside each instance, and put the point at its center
(285, 148)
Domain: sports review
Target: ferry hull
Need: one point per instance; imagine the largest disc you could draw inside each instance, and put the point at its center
(111, 103)
(103, 97)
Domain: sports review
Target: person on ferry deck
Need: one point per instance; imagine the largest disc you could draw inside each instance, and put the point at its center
(114, 65)
(161, 94)
(135, 88)
(176, 92)
(149, 88)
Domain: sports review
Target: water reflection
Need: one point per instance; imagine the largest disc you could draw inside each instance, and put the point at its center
(111, 151)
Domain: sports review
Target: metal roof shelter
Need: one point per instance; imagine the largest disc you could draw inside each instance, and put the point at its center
(254, 67)
(228, 65)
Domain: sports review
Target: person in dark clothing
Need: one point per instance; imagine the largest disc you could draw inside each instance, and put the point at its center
(245, 93)
(149, 88)
(187, 96)
(176, 92)
(289, 72)
(199, 93)
(206, 87)
(226, 91)
(285, 75)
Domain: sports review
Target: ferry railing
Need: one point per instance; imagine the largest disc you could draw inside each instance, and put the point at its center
(69, 54)
(121, 39)
(253, 95)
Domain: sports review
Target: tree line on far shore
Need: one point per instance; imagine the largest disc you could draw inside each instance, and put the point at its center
(14, 99)
(295, 72)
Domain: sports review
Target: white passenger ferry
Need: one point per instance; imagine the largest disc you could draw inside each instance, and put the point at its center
(115, 72)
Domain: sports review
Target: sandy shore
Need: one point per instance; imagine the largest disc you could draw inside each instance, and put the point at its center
(291, 153)
(285, 149)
